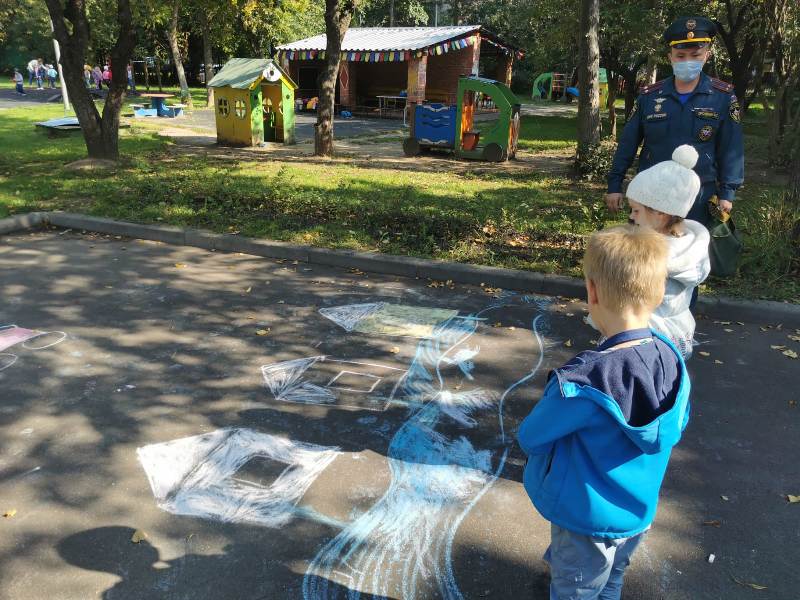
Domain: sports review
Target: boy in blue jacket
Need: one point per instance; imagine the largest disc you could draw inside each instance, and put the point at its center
(599, 440)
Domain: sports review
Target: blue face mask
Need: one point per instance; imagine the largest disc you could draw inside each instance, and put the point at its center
(687, 70)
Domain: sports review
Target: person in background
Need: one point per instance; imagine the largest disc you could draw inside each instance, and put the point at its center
(19, 80)
(131, 79)
(32, 64)
(87, 75)
(41, 73)
(52, 75)
(107, 76)
(688, 108)
(97, 75)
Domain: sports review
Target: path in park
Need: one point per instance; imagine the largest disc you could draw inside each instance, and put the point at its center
(281, 430)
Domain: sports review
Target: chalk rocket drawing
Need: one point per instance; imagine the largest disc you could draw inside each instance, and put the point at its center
(324, 380)
(388, 319)
(402, 546)
(207, 476)
(11, 335)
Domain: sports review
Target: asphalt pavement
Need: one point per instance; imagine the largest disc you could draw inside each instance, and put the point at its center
(184, 424)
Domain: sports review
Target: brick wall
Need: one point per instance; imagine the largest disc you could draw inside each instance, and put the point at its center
(444, 71)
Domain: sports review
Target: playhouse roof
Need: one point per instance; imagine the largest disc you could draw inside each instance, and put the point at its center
(243, 73)
(383, 39)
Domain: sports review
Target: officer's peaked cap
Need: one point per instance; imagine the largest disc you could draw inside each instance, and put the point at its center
(690, 32)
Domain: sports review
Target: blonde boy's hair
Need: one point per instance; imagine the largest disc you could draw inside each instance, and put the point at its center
(628, 265)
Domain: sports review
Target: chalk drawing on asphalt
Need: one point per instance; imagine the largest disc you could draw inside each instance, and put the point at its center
(12, 335)
(235, 475)
(402, 546)
(325, 380)
(382, 318)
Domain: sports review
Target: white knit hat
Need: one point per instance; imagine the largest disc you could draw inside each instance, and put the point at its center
(670, 186)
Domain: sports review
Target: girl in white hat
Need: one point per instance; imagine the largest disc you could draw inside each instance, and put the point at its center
(660, 197)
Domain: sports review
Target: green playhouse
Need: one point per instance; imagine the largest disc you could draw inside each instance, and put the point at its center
(254, 103)
(452, 127)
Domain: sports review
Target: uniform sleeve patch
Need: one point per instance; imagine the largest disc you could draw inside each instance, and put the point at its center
(735, 111)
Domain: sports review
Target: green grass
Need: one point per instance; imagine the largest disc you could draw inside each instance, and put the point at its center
(519, 219)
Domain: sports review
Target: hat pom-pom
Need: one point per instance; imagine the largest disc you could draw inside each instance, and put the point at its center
(685, 156)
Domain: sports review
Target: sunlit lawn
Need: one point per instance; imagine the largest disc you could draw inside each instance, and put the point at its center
(516, 219)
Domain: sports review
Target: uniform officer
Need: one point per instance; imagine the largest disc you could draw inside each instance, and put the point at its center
(688, 108)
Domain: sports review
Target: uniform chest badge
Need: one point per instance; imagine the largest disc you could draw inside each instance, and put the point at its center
(705, 133)
(656, 116)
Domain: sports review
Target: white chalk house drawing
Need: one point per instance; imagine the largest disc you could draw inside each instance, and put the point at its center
(440, 468)
(235, 475)
(382, 318)
(30, 339)
(325, 380)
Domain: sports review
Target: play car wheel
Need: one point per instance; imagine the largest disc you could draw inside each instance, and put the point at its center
(493, 153)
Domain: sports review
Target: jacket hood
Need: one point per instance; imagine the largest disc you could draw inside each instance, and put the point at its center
(688, 254)
(663, 432)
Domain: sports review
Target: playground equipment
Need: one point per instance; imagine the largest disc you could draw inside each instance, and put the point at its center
(554, 86)
(254, 103)
(452, 127)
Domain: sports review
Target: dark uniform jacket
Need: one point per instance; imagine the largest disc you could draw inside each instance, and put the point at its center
(709, 121)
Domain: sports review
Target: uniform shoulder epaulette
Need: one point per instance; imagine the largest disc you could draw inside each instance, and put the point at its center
(723, 86)
(653, 87)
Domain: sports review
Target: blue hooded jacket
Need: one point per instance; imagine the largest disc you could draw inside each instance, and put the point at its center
(589, 469)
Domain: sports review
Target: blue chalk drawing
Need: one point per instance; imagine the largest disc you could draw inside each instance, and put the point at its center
(402, 546)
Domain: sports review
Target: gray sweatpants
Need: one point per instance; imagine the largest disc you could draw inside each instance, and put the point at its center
(587, 568)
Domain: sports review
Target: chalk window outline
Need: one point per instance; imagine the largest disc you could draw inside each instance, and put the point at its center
(375, 384)
(223, 108)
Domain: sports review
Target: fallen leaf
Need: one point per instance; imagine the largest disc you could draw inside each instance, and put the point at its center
(792, 499)
(794, 338)
(740, 323)
(281, 301)
(763, 328)
(728, 330)
(138, 536)
(792, 403)
(779, 326)
(724, 498)
(755, 586)
(570, 314)
(790, 353)
(778, 347)
(593, 342)
(718, 362)
(568, 343)
(394, 350)
(713, 523)
(262, 331)
(10, 513)
(724, 322)
(180, 266)
(248, 290)
(498, 324)
(703, 353)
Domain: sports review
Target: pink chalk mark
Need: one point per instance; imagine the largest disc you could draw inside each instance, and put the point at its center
(11, 336)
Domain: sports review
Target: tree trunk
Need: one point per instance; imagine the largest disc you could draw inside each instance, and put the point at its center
(172, 38)
(588, 68)
(630, 93)
(100, 133)
(146, 75)
(208, 61)
(158, 74)
(613, 87)
(338, 14)
(651, 70)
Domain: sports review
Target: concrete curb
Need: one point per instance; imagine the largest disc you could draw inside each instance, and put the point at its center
(722, 308)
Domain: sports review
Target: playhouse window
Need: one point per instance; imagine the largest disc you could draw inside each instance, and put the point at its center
(222, 107)
(239, 109)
